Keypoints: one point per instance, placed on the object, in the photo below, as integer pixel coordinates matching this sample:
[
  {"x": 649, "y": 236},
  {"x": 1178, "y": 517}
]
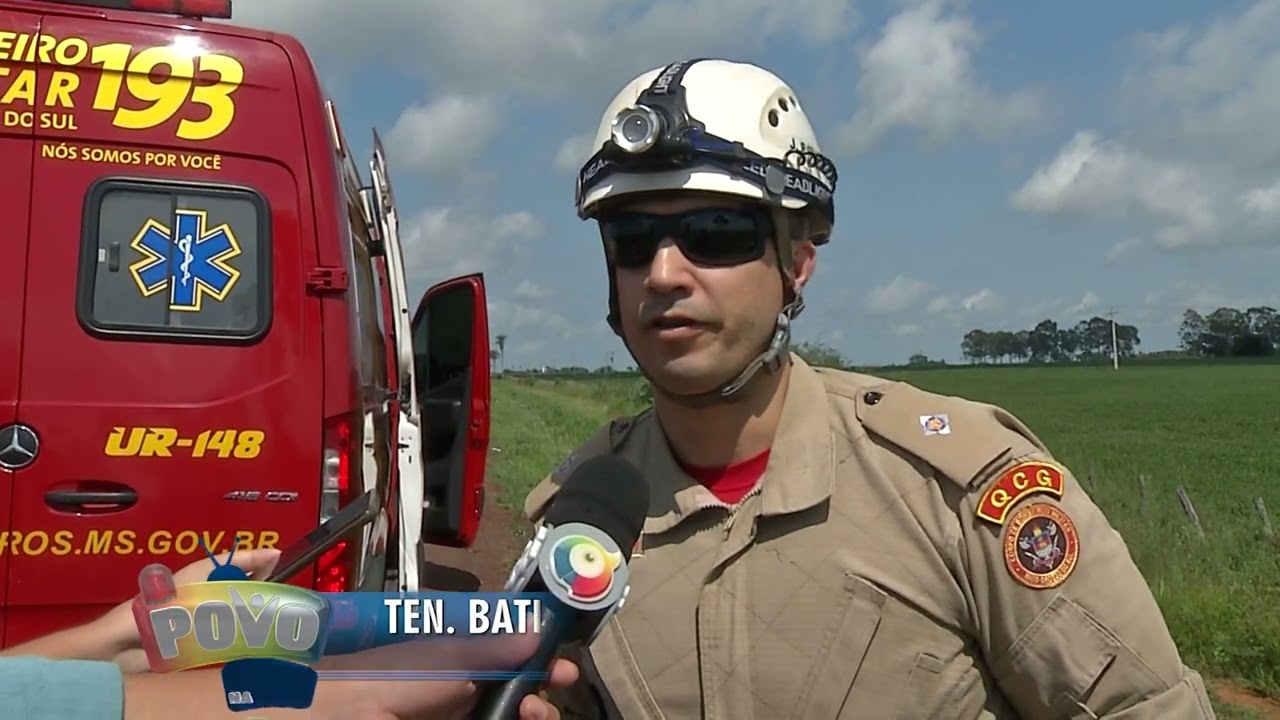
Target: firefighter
[{"x": 822, "y": 543}]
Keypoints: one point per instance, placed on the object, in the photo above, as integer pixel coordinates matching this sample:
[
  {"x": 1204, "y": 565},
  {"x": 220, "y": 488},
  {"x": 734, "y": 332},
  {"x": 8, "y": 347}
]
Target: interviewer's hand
[
  {"x": 122, "y": 629},
  {"x": 432, "y": 699}
]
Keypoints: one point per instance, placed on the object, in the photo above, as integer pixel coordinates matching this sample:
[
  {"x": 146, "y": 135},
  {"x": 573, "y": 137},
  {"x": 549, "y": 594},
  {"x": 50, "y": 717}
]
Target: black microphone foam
[
  {"x": 607, "y": 493},
  {"x": 605, "y": 501}
]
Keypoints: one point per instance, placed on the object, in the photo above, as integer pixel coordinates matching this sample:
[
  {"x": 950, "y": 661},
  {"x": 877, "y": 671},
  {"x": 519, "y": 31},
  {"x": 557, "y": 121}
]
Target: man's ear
[{"x": 804, "y": 256}]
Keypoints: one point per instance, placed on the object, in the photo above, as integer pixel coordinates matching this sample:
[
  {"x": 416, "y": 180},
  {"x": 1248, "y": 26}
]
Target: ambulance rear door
[
  {"x": 173, "y": 363},
  {"x": 18, "y": 446}
]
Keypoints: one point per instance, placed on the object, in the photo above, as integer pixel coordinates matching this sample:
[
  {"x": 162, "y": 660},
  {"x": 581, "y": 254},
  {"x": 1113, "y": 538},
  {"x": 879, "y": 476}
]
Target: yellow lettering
[
  {"x": 62, "y": 542},
  {"x": 999, "y": 497},
  {"x": 57, "y": 121},
  {"x": 115, "y": 440},
  {"x": 1044, "y": 478},
  {"x": 6, "y": 43},
  {"x": 71, "y": 52},
  {"x": 23, "y": 119},
  {"x": 23, "y": 88},
  {"x": 124, "y": 542},
  {"x": 46, "y": 44},
  {"x": 187, "y": 542},
  {"x": 97, "y": 542},
  {"x": 159, "y": 542},
  {"x": 216, "y": 97},
  {"x": 158, "y": 441},
  {"x": 267, "y": 539},
  {"x": 215, "y": 542},
  {"x": 166, "y": 97},
  {"x": 22, "y": 50},
  {"x": 250, "y": 444},
  {"x": 61, "y": 84},
  {"x": 112, "y": 58},
  {"x": 1019, "y": 480},
  {"x": 35, "y": 543}
]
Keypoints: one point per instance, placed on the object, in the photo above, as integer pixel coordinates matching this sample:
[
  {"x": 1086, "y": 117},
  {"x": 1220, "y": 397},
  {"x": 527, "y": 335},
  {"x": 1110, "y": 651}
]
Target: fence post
[
  {"x": 1261, "y": 507},
  {"x": 1142, "y": 494},
  {"x": 1190, "y": 510}
]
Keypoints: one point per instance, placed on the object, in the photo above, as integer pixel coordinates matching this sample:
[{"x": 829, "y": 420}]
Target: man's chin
[{"x": 688, "y": 376}]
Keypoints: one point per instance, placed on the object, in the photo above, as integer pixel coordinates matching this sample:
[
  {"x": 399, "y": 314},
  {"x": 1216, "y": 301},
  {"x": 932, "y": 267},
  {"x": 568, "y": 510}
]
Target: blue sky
[{"x": 1000, "y": 162}]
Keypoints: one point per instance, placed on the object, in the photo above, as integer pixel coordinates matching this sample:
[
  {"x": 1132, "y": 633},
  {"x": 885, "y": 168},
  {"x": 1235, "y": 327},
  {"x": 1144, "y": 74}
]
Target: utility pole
[{"x": 1115, "y": 346}]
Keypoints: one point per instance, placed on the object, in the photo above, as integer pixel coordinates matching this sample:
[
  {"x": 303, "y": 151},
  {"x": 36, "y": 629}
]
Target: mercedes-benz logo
[{"x": 18, "y": 446}]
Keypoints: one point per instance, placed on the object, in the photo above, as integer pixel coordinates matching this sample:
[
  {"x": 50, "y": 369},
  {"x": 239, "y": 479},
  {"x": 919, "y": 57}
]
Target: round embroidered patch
[{"x": 1041, "y": 546}]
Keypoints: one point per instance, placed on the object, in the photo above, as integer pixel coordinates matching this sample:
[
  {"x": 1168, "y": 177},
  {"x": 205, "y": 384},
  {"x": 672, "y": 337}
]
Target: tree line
[
  {"x": 1225, "y": 332},
  {"x": 1228, "y": 332},
  {"x": 1046, "y": 342}
]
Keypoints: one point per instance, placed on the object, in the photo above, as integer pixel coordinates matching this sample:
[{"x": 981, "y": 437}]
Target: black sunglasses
[{"x": 711, "y": 237}]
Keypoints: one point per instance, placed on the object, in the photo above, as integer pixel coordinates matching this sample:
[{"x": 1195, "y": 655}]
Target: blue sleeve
[{"x": 35, "y": 688}]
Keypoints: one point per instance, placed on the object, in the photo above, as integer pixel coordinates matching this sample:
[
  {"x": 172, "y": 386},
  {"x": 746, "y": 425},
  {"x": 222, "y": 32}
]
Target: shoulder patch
[
  {"x": 1041, "y": 546},
  {"x": 1017, "y": 483}
]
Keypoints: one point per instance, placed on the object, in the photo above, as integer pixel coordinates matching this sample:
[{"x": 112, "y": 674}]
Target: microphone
[{"x": 579, "y": 556}]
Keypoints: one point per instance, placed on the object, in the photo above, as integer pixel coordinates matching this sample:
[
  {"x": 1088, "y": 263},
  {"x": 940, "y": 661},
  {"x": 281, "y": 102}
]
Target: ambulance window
[{"x": 176, "y": 260}]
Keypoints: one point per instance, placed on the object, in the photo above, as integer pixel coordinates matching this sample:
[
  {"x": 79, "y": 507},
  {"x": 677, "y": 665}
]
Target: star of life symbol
[{"x": 190, "y": 259}]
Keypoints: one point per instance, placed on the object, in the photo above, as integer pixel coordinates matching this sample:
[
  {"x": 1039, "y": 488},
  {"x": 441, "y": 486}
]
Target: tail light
[{"x": 336, "y": 567}]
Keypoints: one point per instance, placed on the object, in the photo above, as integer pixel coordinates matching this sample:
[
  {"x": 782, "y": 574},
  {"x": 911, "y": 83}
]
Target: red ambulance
[{"x": 205, "y": 328}]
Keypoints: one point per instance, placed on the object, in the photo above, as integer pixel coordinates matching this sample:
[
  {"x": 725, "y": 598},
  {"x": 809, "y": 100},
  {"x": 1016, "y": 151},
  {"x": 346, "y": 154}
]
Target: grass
[{"x": 1212, "y": 429}]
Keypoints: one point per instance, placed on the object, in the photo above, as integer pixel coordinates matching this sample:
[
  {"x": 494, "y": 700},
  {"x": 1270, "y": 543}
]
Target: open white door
[{"x": 411, "y": 495}]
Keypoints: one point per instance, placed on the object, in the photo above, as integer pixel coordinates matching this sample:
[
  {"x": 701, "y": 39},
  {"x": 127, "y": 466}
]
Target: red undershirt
[{"x": 730, "y": 483}]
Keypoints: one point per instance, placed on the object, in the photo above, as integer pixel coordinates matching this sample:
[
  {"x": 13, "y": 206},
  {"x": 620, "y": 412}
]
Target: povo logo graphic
[
  {"x": 583, "y": 566},
  {"x": 267, "y": 634}
]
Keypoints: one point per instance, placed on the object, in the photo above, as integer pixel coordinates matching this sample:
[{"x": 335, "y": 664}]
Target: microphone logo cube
[{"x": 583, "y": 566}]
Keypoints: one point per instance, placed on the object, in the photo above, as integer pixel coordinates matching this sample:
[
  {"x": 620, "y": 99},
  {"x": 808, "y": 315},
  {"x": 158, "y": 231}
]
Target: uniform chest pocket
[
  {"x": 887, "y": 662},
  {"x": 844, "y": 650}
]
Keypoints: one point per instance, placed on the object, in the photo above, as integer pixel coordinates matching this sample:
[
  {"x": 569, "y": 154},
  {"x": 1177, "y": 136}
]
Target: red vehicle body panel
[
  {"x": 219, "y": 205},
  {"x": 15, "y": 156},
  {"x": 91, "y": 395}
]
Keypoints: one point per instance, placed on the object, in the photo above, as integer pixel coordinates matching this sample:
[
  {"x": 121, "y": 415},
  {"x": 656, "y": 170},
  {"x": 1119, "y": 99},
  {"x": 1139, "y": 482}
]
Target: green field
[{"x": 1211, "y": 429}]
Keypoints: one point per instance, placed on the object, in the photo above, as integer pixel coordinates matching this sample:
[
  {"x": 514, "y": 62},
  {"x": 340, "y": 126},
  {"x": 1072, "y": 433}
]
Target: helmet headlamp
[{"x": 636, "y": 129}]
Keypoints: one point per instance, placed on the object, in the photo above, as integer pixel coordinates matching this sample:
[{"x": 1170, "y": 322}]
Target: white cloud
[
  {"x": 1200, "y": 165},
  {"x": 441, "y": 243},
  {"x": 1123, "y": 248},
  {"x": 1087, "y": 303},
  {"x": 548, "y": 47},
  {"x": 1212, "y": 90},
  {"x": 896, "y": 297},
  {"x": 981, "y": 301},
  {"x": 906, "y": 329},
  {"x": 574, "y": 152},
  {"x": 919, "y": 74},
  {"x": 445, "y": 135},
  {"x": 939, "y": 304},
  {"x": 527, "y": 290},
  {"x": 1165, "y": 307}
]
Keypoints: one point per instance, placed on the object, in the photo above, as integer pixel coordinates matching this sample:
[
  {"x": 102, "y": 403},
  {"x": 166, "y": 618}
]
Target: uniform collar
[{"x": 800, "y": 472}]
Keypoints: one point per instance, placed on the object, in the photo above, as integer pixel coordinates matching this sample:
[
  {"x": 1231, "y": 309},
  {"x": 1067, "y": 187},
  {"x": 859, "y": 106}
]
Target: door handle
[{"x": 91, "y": 500}]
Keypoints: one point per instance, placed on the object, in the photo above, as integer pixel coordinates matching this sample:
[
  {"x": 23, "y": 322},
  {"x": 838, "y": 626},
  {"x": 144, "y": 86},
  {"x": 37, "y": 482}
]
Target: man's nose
[{"x": 669, "y": 268}]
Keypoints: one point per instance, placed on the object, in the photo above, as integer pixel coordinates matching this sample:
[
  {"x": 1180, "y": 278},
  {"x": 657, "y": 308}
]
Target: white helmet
[
  {"x": 725, "y": 127},
  {"x": 712, "y": 125}
]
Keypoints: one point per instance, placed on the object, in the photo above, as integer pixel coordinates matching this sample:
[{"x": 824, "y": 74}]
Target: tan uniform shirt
[{"x": 906, "y": 555}]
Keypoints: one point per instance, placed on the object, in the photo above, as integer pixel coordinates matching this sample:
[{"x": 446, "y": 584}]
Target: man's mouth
[{"x": 673, "y": 322}]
